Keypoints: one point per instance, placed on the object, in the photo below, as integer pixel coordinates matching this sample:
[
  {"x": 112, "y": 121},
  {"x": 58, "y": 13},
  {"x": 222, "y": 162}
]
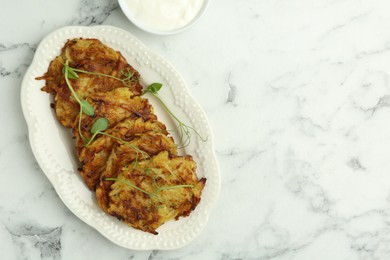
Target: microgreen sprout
[
  {"x": 129, "y": 184},
  {"x": 85, "y": 107},
  {"x": 127, "y": 79},
  {"x": 70, "y": 74},
  {"x": 184, "y": 130},
  {"x": 85, "y": 140},
  {"x": 100, "y": 126}
]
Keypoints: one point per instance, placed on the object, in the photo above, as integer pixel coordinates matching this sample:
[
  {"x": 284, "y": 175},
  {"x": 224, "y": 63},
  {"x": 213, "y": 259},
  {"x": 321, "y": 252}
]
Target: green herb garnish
[
  {"x": 129, "y": 184},
  {"x": 71, "y": 73},
  {"x": 100, "y": 126},
  {"x": 85, "y": 140},
  {"x": 185, "y": 133},
  {"x": 128, "y": 75},
  {"x": 85, "y": 107}
]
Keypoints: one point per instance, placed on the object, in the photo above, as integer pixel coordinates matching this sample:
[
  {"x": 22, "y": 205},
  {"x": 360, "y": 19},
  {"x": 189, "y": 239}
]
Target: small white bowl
[{"x": 129, "y": 14}]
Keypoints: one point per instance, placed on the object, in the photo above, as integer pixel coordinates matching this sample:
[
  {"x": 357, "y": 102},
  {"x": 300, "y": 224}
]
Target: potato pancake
[
  {"x": 138, "y": 133},
  {"x": 93, "y": 56},
  {"x": 148, "y": 193},
  {"x": 116, "y": 106}
]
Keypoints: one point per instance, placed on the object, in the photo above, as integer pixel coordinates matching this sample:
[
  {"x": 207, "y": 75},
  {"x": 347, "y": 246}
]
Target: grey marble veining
[
  {"x": 297, "y": 94},
  {"x": 28, "y": 237},
  {"x": 94, "y": 13}
]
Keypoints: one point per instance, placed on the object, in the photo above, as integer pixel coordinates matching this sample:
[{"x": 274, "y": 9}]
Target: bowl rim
[{"x": 137, "y": 23}]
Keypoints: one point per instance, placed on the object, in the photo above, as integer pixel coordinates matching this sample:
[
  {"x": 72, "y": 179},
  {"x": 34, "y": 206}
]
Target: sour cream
[{"x": 164, "y": 15}]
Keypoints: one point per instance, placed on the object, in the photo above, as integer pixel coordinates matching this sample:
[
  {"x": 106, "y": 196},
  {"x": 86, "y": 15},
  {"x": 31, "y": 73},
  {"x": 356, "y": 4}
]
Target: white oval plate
[{"x": 54, "y": 150}]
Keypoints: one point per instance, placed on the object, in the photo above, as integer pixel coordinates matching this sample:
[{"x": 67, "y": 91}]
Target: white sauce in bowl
[{"x": 164, "y": 15}]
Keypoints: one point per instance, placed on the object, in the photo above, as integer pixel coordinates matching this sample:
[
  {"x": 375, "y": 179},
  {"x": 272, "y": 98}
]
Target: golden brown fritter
[
  {"x": 116, "y": 106},
  {"x": 147, "y": 145},
  {"x": 148, "y": 193},
  {"x": 137, "y": 132},
  {"x": 90, "y": 55}
]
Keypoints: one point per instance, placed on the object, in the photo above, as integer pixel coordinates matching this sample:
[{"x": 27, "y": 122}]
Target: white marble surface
[{"x": 298, "y": 96}]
